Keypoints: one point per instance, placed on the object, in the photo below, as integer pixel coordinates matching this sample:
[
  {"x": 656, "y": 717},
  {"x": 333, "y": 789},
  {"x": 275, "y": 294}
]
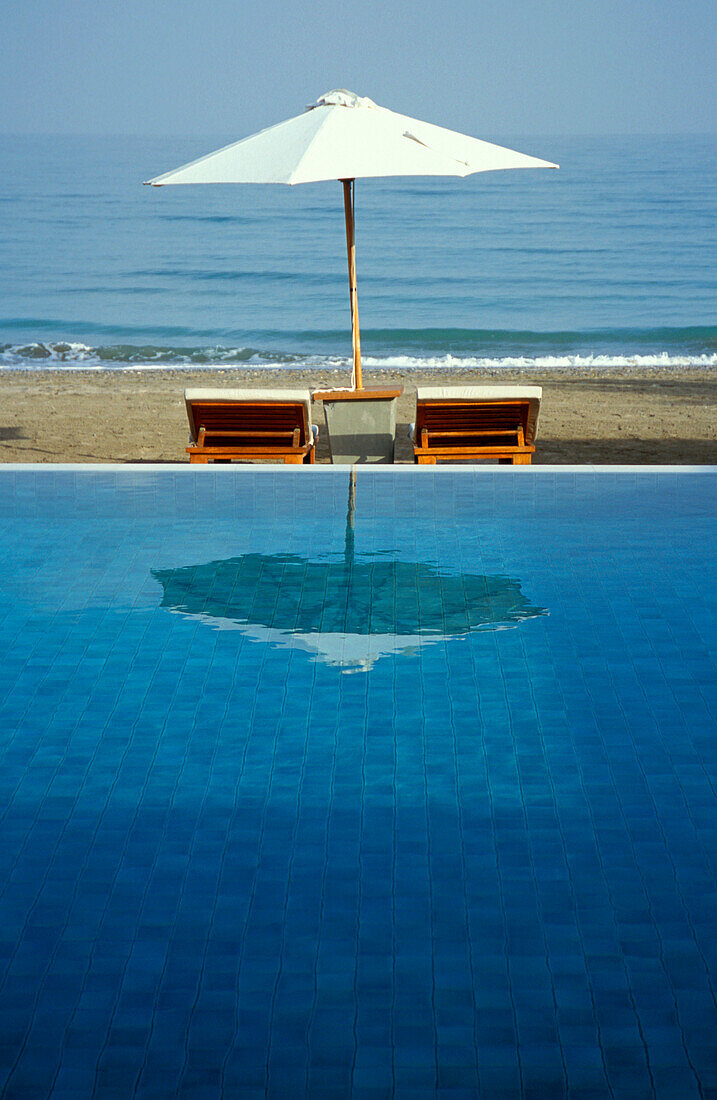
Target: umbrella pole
[
  {"x": 350, "y": 520},
  {"x": 357, "y": 379}
]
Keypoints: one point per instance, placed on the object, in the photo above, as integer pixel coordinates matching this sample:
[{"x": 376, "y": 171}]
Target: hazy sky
[{"x": 229, "y": 67}]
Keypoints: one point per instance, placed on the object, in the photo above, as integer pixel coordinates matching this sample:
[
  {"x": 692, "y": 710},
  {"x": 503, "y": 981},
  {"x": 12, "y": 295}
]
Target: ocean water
[{"x": 609, "y": 261}]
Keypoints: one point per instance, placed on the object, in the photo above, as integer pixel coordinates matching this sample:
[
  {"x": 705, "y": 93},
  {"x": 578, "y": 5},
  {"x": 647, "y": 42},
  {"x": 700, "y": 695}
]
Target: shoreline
[
  {"x": 485, "y": 369},
  {"x": 132, "y": 414}
]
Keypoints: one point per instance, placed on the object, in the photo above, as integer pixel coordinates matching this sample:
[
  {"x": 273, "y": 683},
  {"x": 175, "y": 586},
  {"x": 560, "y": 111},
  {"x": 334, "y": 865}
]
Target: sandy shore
[{"x": 660, "y": 416}]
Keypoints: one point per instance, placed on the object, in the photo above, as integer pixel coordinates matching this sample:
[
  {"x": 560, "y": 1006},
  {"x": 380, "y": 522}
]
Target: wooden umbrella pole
[
  {"x": 351, "y": 249},
  {"x": 350, "y": 521}
]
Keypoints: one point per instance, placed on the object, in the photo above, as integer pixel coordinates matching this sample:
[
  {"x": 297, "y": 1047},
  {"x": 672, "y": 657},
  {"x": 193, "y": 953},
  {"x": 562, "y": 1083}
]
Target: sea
[{"x": 610, "y": 261}]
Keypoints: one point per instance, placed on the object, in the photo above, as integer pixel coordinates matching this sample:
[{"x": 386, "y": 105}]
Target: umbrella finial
[{"x": 342, "y": 97}]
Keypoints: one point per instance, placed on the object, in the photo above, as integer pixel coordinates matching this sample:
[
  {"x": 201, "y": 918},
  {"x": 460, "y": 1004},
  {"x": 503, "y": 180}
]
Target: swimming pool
[{"x": 396, "y": 788}]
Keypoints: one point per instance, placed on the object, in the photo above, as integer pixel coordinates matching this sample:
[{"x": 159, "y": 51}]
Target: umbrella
[{"x": 342, "y": 137}]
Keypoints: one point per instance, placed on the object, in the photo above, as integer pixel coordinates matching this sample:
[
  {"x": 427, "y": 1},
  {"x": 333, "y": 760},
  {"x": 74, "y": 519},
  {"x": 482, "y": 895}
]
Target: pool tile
[{"x": 477, "y": 867}]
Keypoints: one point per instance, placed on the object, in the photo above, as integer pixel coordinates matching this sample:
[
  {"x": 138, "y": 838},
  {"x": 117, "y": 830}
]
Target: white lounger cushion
[
  {"x": 302, "y": 397},
  {"x": 532, "y": 394}
]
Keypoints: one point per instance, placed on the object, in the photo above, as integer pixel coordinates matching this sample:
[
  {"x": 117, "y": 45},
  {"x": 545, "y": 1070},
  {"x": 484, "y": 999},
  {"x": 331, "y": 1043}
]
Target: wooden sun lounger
[
  {"x": 494, "y": 423},
  {"x": 250, "y": 424}
]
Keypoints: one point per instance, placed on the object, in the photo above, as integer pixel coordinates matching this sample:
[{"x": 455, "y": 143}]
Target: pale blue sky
[{"x": 229, "y": 67}]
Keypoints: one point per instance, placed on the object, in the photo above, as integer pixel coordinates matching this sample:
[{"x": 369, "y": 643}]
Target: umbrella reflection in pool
[
  {"x": 346, "y": 618},
  {"x": 347, "y": 611}
]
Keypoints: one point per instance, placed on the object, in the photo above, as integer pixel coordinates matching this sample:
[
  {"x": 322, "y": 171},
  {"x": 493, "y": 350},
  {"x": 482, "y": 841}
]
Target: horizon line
[{"x": 220, "y": 133}]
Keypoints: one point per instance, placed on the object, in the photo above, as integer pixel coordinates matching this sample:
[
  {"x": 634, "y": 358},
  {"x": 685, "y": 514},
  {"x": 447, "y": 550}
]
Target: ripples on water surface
[
  {"x": 407, "y": 792},
  {"x": 609, "y": 260}
]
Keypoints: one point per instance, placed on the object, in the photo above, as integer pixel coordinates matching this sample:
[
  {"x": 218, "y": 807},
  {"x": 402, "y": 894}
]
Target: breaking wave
[{"x": 73, "y": 356}]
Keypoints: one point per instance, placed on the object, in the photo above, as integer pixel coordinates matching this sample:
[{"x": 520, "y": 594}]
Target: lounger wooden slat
[
  {"x": 228, "y": 425},
  {"x": 495, "y": 423},
  {"x": 224, "y": 433}
]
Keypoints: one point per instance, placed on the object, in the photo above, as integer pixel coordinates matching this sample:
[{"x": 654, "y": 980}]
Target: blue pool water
[{"x": 407, "y": 792}]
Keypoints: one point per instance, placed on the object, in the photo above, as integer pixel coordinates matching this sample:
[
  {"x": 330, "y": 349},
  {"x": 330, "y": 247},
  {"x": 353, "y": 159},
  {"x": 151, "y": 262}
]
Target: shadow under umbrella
[{"x": 347, "y": 612}]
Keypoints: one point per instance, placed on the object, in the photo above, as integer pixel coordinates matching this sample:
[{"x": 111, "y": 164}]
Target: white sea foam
[
  {"x": 75, "y": 356},
  {"x": 553, "y": 362},
  {"x": 36, "y": 356}
]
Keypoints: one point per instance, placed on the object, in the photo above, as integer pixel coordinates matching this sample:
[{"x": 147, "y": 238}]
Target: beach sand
[{"x": 656, "y": 416}]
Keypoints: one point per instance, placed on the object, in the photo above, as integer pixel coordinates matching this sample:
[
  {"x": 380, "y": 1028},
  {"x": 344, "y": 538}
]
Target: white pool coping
[{"x": 323, "y": 469}]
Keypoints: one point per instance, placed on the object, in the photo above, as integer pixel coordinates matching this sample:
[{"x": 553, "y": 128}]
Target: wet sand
[{"x": 657, "y": 416}]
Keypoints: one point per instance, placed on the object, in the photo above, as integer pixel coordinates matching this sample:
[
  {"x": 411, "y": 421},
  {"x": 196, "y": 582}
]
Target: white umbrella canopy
[{"x": 344, "y": 137}]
